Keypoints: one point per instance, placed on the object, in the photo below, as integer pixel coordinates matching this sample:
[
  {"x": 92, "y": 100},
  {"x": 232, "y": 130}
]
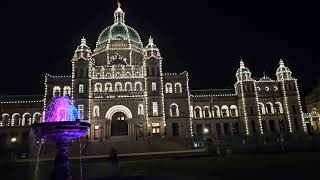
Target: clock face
[{"x": 118, "y": 60}]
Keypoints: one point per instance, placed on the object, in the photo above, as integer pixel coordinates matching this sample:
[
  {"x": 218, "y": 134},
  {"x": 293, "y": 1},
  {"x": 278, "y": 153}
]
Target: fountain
[{"x": 61, "y": 124}]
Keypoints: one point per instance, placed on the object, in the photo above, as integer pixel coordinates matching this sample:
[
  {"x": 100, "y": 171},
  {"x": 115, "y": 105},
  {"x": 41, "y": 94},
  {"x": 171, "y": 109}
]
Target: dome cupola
[
  {"x": 83, "y": 51},
  {"x": 283, "y": 72},
  {"x": 151, "y": 50},
  {"x": 243, "y": 73},
  {"x": 119, "y": 31}
]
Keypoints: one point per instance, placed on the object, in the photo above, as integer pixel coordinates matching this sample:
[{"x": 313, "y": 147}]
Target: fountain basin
[{"x": 61, "y": 131}]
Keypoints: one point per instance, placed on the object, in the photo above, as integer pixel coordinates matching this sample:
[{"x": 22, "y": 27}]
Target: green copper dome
[{"x": 119, "y": 29}]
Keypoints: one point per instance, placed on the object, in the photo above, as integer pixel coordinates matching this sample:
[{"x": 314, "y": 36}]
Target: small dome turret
[
  {"x": 243, "y": 73},
  {"x": 283, "y": 72},
  {"x": 83, "y": 51},
  {"x": 151, "y": 50}
]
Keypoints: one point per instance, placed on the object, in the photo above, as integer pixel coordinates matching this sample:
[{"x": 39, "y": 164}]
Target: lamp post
[
  {"x": 205, "y": 132},
  {"x": 101, "y": 130},
  {"x": 136, "y": 130},
  {"x": 165, "y": 131}
]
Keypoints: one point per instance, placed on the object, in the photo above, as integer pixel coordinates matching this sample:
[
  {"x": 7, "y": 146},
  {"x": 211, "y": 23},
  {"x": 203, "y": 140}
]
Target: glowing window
[
  {"x": 81, "y": 88},
  {"x": 154, "y": 86},
  {"x": 155, "y": 108}
]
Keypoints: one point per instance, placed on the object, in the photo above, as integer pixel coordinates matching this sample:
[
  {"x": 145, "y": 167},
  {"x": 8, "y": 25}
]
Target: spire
[
  {"x": 243, "y": 73},
  {"x": 241, "y": 64},
  {"x": 118, "y": 14},
  {"x": 83, "y": 42},
  {"x": 82, "y": 51},
  {"x": 150, "y": 41},
  {"x": 151, "y": 50},
  {"x": 119, "y": 4},
  {"x": 283, "y": 72},
  {"x": 281, "y": 62}
]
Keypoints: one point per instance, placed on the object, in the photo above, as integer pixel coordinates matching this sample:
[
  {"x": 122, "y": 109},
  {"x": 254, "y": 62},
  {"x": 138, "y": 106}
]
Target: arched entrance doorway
[{"x": 119, "y": 124}]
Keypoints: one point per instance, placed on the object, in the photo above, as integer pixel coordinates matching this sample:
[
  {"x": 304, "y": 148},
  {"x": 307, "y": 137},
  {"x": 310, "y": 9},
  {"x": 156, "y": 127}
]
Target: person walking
[{"x": 115, "y": 170}]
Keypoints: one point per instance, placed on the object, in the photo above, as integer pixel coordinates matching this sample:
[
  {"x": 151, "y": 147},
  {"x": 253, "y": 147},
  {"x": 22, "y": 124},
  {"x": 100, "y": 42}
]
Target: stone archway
[{"x": 118, "y": 124}]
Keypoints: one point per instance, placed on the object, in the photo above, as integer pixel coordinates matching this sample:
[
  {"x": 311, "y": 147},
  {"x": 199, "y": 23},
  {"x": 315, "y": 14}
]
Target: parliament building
[{"x": 121, "y": 89}]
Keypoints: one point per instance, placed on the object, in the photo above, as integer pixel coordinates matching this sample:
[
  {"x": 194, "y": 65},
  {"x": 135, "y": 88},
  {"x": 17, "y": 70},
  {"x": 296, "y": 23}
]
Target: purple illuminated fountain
[{"x": 61, "y": 124}]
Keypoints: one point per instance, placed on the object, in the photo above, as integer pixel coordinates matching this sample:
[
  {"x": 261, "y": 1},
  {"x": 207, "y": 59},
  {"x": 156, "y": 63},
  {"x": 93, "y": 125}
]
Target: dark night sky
[{"x": 206, "y": 38}]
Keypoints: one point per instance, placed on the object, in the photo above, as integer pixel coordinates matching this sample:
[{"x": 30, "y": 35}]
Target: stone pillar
[{"x": 222, "y": 129}]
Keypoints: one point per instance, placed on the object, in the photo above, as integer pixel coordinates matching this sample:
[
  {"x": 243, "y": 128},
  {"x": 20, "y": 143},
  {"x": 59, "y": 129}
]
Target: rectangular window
[
  {"x": 154, "y": 86},
  {"x": 264, "y": 126},
  {"x": 81, "y": 111},
  {"x": 251, "y": 111},
  {"x": 199, "y": 129},
  {"x": 218, "y": 129},
  {"x": 294, "y": 109},
  {"x": 175, "y": 129},
  {"x": 253, "y": 126},
  {"x": 155, "y": 108},
  {"x": 81, "y": 89},
  {"x": 226, "y": 128},
  {"x": 208, "y": 126},
  {"x": 296, "y": 124},
  {"x": 272, "y": 126},
  {"x": 235, "y": 128},
  {"x": 155, "y": 128},
  {"x": 282, "y": 126}
]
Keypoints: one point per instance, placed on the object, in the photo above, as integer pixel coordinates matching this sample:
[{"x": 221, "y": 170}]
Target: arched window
[
  {"x": 168, "y": 88},
  {"x": 233, "y": 111},
  {"x": 118, "y": 87},
  {"x": 96, "y": 111},
  {"x": 174, "y": 110},
  {"x": 138, "y": 86},
  {"x": 140, "y": 109},
  {"x": 262, "y": 109},
  {"x": 5, "y": 120},
  {"x": 26, "y": 119},
  {"x": 206, "y": 112},
  {"x": 278, "y": 107},
  {"x": 98, "y": 87},
  {"x": 56, "y": 91},
  {"x": 225, "y": 111},
  {"x": 128, "y": 86},
  {"x": 215, "y": 111},
  {"x": 108, "y": 87},
  {"x": 66, "y": 90},
  {"x": 177, "y": 88},
  {"x": 197, "y": 112},
  {"x": 36, "y": 117},
  {"x": 15, "y": 120},
  {"x": 269, "y": 108}
]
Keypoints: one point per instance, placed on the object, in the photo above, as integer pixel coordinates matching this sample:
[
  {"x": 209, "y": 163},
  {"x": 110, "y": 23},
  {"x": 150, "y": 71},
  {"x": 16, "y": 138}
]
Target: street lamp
[
  {"x": 149, "y": 133},
  {"x": 205, "y": 131},
  {"x": 165, "y": 130},
  {"x": 136, "y": 129},
  {"x": 101, "y": 129},
  {"x": 14, "y": 139}
]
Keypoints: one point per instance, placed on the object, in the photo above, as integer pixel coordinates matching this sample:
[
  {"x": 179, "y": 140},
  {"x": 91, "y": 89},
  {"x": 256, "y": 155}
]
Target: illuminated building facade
[
  {"x": 120, "y": 88},
  {"x": 312, "y": 104}
]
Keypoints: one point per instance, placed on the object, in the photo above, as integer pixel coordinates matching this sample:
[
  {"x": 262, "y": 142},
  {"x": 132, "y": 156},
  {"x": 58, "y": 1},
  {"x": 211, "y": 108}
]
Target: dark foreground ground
[{"x": 298, "y": 165}]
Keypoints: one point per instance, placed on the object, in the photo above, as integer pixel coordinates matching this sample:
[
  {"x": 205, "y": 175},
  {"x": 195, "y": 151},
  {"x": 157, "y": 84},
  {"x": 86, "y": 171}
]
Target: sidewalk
[{"x": 128, "y": 156}]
